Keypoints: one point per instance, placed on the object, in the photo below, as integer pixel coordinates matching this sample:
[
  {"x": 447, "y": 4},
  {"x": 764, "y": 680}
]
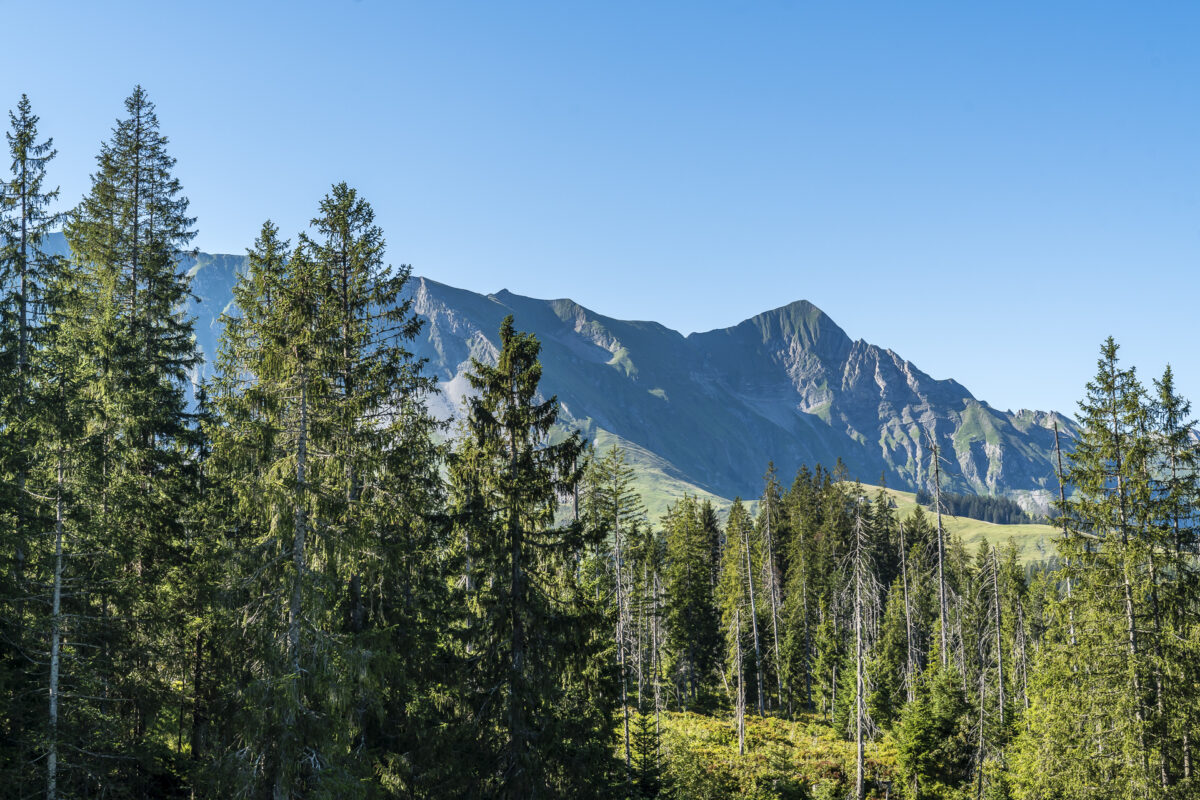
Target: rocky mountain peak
[{"x": 706, "y": 412}]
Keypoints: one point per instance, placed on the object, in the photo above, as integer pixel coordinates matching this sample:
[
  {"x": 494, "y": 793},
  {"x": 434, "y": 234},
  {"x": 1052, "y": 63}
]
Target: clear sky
[{"x": 989, "y": 191}]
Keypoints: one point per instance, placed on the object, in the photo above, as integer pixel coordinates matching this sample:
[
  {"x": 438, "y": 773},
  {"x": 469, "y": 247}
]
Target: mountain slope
[
  {"x": 708, "y": 411},
  {"x": 787, "y": 385}
]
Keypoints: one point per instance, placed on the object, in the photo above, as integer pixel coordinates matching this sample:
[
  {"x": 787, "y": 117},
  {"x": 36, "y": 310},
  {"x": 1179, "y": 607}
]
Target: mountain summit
[
  {"x": 788, "y": 386},
  {"x": 709, "y": 410}
]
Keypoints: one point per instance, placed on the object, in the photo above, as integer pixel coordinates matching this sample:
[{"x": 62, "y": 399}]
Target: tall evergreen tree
[
  {"x": 273, "y": 397},
  {"x": 26, "y": 274},
  {"x": 771, "y": 531},
  {"x": 1092, "y": 690},
  {"x": 692, "y": 632},
  {"x": 127, "y": 237},
  {"x": 324, "y": 432},
  {"x": 1176, "y": 498},
  {"x": 543, "y": 713}
]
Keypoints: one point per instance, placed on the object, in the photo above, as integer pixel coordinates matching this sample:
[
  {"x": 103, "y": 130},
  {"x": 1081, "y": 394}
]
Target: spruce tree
[
  {"x": 323, "y": 433},
  {"x": 127, "y": 237},
  {"x": 542, "y": 709},
  {"x": 380, "y": 518},
  {"x": 771, "y": 530},
  {"x": 692, "y": 628},
  {"x": 934, "y": 737},
  {"x": 1175, "y": 498},
  {"x": 1092, "y": 696},
  {"x": 647, "y": 770},
  {"x": 26, "y": 274}
]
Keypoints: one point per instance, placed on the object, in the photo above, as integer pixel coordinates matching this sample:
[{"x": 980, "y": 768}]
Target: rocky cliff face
[
  {"x": 787, "y": 386},
  {"x": 709, "y": 410}
]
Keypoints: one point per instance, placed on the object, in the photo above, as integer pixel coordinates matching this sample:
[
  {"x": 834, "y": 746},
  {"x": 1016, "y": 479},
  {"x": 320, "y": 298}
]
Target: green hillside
[
  {"x": 653, "y": 478},
  {"x": 659, "y": 487},
  {"x": 1035, "y": 542}
]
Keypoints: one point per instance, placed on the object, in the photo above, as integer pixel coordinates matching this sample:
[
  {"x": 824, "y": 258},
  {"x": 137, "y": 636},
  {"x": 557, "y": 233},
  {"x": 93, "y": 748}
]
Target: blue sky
[{"x": 989, "y": 191}]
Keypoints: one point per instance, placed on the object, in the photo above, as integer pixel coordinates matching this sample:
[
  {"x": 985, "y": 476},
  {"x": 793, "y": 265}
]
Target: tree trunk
[
  {"x": 741, "y": 687},
  {"x": 808, "y": 689},
  {"x": 909, "y": 663},
  {"x": 943, "y": 609},
  {"x": 1127, "y": 589},
  {"x": 979, "y": 753},
  {"x": 299, "y": 531},
  {"x": 753, "y": 620},
  {"x": 55, "y": 639},
  {"x": 962, "y": 645},
  {"x": 1160, "y": 689},
  {"x": 282, "y": 789},
  {"x": 773, "y": 586},
  {"x": 859, "y": 785},
  {"x": 1022, "y": 654},
  {"x": 641, "y": 631},
  {"x": 197, "y": 714},
  {"x": 655, "y": 666},
  {"x": 22, "y": 385},
  {"x": 516, "y": 709},
  {"x": 999, "y": 649},
  {"x": 621, "y": 645}
]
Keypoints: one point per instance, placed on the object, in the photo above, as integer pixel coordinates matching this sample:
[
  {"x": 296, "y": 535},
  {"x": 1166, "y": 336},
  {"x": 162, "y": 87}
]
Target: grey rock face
[
  {"x": 787, "y": 386},
  {"x": 713, "y": 408}
]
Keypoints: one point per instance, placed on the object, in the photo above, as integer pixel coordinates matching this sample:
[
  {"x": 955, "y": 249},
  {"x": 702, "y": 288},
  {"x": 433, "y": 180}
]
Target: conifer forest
[{"x": 292, "y": 580}]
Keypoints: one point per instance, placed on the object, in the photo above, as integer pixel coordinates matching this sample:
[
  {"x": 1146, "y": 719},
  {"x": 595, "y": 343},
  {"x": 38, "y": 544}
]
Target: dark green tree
[
  {"x": 323, "y": 432},
  {"x": 540, "y": 689},
  {"x": 1092, "y": 723},
  {"x": 933, "y": 739},
  {"x": 647, "y": 769},
  {"x": 692, "y": 628},
  {"x": 127, "y": 238},
  {"x": 272, "y": 396},
  {"x": 26, "y": 272}
]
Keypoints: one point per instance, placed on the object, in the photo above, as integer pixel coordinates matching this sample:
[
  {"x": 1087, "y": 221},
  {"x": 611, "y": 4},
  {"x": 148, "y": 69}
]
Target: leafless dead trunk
[
  {"x": 909, "y": 663},
  {"x": 55, "y": 637},
  {"x": 943, "y": 608},
  {"x": 753, "y": 617},
  {"x": 741, "y": 687},
  {"x": 999, "y": 649}
]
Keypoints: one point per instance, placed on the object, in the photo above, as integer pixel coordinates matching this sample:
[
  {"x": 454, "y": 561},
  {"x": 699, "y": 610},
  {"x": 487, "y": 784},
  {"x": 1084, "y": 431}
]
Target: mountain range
[{"x": 706, "y": 412}]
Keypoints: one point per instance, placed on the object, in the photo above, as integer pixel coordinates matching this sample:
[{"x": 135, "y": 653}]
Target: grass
[
  {"x": 659, "y": 489},
  {"x": 652, "y": 478},
  {"x": 1035, "y": 542},
  {"x": 784, "y": 758}
]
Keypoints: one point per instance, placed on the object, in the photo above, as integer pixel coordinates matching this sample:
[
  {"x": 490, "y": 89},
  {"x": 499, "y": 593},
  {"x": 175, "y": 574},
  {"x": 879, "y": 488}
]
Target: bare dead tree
[
  {"x": 909, "y": 663},
  {"x": 943, "y": 608},
  {"x": 864, "y": 590}
]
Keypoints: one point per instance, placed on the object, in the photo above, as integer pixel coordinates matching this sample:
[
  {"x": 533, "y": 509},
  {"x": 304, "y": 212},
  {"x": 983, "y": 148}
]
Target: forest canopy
[{"x": 293, "y": 581}]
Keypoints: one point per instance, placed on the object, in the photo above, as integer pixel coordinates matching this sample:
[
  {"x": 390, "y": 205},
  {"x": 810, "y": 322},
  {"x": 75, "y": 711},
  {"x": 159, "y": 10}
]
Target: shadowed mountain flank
[{"x": 707, "y": 411}]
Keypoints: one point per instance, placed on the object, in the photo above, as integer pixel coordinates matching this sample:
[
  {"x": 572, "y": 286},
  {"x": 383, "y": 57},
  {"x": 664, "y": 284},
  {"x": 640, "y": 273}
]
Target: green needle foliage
[
  {"x": 134, "y": 471},
  {"x": 692, "y": 624},
  {"x": 28, "y": 282},
  {"x": 322, "y": 419},
  {"x": 540, "y": 687},
  {"x": 293, "y": 581}
]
